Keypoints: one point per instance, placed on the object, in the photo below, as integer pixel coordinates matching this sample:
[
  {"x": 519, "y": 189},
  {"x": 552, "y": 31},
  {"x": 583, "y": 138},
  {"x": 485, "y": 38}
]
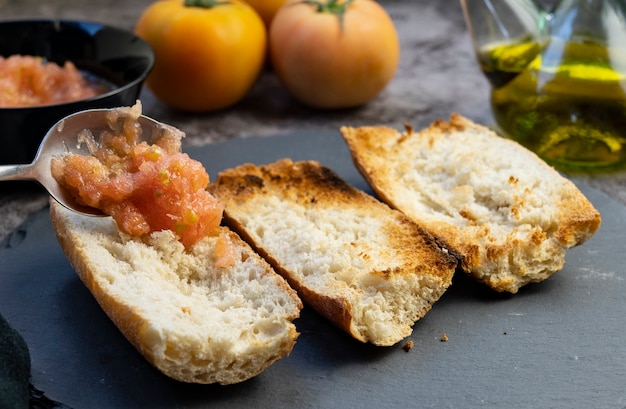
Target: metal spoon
[{"x": 61, "y": 139}]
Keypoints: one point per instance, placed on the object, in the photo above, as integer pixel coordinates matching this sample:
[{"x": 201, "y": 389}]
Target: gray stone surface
[{"x": 555, "y": 344}]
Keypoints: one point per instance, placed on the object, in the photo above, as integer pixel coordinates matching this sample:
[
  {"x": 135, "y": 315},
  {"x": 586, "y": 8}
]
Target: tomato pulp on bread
[{"x": 144, "y": 187}]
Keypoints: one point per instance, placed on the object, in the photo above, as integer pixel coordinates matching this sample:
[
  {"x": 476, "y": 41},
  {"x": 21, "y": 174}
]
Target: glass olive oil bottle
[
  {"x": 558, "y": 77},
  {"x": 567, "y": 103}
]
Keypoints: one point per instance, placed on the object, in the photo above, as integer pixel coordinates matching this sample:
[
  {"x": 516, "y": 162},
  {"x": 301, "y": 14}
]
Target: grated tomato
[
  {"x": 144, "y": 187},
  {"x": 30, "y": 81}
]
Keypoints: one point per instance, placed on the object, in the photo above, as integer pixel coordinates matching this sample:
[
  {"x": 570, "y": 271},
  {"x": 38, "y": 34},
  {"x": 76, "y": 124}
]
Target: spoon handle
[{"x": 16, "y": 172}]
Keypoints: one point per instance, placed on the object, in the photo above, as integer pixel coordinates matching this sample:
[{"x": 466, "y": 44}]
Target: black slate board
[{"x": 557, "y": 344}]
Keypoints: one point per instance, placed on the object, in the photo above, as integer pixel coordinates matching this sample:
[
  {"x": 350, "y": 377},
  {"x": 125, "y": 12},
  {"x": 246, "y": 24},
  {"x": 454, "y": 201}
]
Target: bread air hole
[
  {"x": 172, "y": 353},
  {"x": 267, "y": 330}
]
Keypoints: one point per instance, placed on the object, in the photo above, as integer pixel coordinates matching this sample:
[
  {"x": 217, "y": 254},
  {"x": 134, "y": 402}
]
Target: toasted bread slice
[
  {"x": 193, "y": 321},
  {"x": 510, "y": 215},
  {"x": 365, "y": 267}
]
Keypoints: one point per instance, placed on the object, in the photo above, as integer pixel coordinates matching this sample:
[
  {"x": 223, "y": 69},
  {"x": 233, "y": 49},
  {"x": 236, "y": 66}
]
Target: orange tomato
[
  {"x": 334, "y": 53},
  {"x": 266, "y": 8},
  {"x": 208, "y": 53}
]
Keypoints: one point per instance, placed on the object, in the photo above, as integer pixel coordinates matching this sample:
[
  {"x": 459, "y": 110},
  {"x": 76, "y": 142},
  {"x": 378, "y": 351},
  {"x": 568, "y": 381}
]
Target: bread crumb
[
  {"x": 444, "y": 337},
  {"x": 408, "y": 346},
  {"x": 408, "y": 128}
]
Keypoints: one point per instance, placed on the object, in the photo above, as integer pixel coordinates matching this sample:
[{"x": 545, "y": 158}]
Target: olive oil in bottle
[
  {"x": 503, "y": 62},
  {"x": 567, "y": 103}
]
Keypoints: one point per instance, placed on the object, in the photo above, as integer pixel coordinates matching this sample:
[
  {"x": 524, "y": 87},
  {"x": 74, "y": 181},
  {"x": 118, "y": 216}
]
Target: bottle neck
[{"x": 588, "y": 20}]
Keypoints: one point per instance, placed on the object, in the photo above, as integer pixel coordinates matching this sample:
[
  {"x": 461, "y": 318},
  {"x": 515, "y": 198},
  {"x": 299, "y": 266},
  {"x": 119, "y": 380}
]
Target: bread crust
[
  {"x": 365, "y": 267},
  {"x": 505, "y": 211},
  {"x": 171, "y": 329}
]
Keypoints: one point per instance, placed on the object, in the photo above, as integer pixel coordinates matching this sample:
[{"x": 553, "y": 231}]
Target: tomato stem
[
  {"x": 331, "y": 6},
  {"x": 207, "y": 4}
]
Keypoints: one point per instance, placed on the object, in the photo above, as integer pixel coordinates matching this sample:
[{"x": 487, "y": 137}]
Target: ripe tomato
[
  {"x": 266, "y": 8},
  {"x": 334, "y": 53},
  {"x": 208, "y": 53}
]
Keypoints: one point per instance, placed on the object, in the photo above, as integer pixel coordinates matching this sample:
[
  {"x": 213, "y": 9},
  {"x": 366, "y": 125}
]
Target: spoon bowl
[{"x": 62, "y": 139}]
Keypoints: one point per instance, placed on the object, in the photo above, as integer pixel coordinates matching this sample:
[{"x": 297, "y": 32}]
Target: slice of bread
[
  {"x": 193, "y": 321},
  {"x": 505, "y": 211},
  {"x": 365, "y": 267}
]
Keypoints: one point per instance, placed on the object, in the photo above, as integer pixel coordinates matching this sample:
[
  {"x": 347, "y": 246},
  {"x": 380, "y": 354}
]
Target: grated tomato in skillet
[{"x": 27, "y": 81}]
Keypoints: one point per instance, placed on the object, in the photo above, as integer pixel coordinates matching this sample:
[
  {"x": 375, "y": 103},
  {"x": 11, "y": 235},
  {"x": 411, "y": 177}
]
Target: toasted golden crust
[
  {"x": 364, "y": 266},
  {"x": 193, "y": 321},
  {"x": 509, "y": 214}
]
